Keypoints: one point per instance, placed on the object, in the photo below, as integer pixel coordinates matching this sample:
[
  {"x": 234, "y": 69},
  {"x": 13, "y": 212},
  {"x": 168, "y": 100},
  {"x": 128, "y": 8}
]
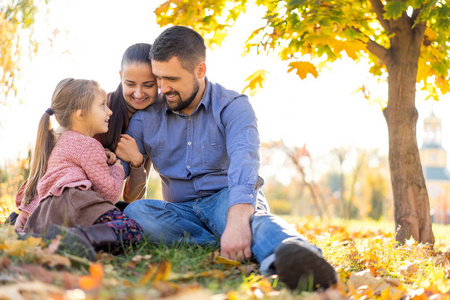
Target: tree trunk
[{"x": 411, "y": 204}]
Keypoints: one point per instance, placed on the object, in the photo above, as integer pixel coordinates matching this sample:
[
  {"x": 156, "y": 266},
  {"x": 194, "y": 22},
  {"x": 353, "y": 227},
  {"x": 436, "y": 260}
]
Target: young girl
[{"x": 75, "y": 180}]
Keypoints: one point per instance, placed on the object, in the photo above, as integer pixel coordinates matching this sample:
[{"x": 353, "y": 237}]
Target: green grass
[{"x": 350, "y": 246}]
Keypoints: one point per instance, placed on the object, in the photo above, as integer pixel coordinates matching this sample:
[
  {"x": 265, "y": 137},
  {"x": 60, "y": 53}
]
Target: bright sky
[{"x": 323, "y": 112}]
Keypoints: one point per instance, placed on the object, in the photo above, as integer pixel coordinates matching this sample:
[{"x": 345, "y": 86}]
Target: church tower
[{"x": 434, "y": 164}]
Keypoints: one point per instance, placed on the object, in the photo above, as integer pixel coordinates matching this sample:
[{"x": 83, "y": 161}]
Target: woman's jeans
[{"x": 202, "y": 221}]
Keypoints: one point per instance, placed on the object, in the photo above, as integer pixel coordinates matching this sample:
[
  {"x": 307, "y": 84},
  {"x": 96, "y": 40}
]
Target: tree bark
[{"x": 411, "y": 203}]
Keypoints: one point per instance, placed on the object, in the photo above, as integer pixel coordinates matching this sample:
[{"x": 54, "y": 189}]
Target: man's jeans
[{"x": 202, "y": 221}]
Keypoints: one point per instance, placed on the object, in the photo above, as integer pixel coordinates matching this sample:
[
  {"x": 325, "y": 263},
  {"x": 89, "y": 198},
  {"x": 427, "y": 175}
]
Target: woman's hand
[
  {"x": 118, "y": 163},
  {"x": 20, "y": 221},
  {"x": 111, "y": 157},
  {"x": 128, "y": 151}
]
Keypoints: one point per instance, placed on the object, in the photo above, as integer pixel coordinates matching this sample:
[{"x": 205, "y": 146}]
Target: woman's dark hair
[
  {"x": 180, "y": 41},
  {"x": 118, "y": 122}
]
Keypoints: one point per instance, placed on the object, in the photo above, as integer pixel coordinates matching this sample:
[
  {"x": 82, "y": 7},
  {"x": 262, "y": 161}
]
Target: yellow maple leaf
[
  {"x": 443, "y": 84},
  {"x": 255, "y": 82},
  {"x": 303, "y": 69},
  {"x": 431, "y": 34},
  {"x": 353, "y": 48}
]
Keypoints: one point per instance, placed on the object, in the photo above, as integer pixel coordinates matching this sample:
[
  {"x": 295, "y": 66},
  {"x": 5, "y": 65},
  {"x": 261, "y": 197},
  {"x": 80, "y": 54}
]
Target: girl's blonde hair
[{"x": 69, "y": 96}]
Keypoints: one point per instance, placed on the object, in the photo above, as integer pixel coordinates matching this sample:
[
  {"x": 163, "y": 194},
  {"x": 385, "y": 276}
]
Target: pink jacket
[{"x": 78, "y": 161}]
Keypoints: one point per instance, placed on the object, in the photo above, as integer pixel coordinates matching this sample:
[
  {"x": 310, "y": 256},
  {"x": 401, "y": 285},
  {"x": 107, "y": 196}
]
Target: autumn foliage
[
  {"x": 16, "y": 42},
  {"x": 369, "y": 263}
]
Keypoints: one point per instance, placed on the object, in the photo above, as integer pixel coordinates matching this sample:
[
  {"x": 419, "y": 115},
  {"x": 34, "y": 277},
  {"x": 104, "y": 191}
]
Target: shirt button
[
  {"x": 188, "y": 166},
  {"x": 189, "y": 143},
  {"x": 251, "y": 195}
]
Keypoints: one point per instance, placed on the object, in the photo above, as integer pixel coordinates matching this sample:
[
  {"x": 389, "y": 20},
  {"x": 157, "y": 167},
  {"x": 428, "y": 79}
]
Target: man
[{"x": 203, "y": 141}]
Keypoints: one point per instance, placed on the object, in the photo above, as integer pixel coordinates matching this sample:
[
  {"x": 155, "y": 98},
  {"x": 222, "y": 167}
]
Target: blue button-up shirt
[{"x": 217, "y": 146}]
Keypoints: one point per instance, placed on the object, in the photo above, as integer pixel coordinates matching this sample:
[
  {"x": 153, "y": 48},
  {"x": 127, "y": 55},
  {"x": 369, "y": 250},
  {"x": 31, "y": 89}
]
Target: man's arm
[{"x": 242, "y": 139}]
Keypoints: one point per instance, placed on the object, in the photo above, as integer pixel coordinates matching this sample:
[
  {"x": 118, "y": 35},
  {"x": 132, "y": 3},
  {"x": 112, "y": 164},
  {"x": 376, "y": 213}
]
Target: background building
[{"x": 437, "y": 176}]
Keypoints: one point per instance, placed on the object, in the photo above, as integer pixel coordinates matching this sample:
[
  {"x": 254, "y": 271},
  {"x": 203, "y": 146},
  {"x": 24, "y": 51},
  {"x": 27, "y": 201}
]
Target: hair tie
[{"x": 49, "y": 111}]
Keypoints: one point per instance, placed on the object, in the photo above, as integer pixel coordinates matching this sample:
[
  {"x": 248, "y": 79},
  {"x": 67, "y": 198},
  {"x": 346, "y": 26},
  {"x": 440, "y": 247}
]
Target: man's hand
[
  {"x": 128, "y": 151},
  {"x": 236, "y": 240},
  {"x": 20, "y": 221}
]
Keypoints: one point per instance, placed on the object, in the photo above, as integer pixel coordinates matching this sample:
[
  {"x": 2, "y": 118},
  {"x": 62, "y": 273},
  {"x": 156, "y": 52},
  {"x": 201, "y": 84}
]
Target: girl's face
[
  {"x": 98, "y": 119},
  {"x": 139, "y": 85}
]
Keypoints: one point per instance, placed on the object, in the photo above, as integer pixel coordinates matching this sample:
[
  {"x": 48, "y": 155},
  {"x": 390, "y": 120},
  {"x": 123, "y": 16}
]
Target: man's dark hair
[{"x": 180, "y": 41}]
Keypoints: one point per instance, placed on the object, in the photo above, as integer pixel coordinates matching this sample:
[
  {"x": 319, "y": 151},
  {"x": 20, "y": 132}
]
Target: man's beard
[{"x": 182, "y": 104}]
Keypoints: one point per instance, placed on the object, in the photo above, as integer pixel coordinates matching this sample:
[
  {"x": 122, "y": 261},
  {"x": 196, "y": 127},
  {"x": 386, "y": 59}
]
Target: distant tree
[
  {"x": 301, "y": 160},
  {"x": 375, "y": 186},
  {"x": 406, "y": 40},
  {"x": 16, "y": 32},
  {"x": 341, "y": 155}
]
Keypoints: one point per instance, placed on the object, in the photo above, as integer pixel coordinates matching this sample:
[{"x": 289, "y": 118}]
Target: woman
[{"x": 137, "y": 90}]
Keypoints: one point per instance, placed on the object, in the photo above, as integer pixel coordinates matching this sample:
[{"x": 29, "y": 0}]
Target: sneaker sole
[{"x": 300, "y": 268}]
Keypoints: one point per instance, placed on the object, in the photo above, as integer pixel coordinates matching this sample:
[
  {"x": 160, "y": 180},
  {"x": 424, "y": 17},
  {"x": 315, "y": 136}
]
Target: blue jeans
[{"x": 202, "y": 221}]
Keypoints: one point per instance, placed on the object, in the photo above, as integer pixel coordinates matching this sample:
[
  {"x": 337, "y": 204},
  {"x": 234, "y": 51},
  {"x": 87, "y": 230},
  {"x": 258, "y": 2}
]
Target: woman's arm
[{"x": 136, "y": 183}]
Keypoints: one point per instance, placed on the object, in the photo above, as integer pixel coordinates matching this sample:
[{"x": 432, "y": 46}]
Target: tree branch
[
  {"x": 416, "y": 13},
  {"x": 378, "y": 50},
  {"x": 378, "y": 8}
]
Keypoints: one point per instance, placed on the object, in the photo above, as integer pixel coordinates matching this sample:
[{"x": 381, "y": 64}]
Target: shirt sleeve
[
  {"x": 106, "y": 180},
  {"x": 31, "y": 206},
  {"x": 242, "y": 139},
  {"x": 136, "y": 183},
  {"x": 135, "y": 131}
]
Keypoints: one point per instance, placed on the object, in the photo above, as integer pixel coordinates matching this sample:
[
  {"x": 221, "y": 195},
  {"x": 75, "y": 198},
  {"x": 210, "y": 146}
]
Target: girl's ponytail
[{"x": 45, "y": 141}]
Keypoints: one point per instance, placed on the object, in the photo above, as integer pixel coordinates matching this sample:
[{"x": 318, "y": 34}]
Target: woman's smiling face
[{"x": 139, "y": 85}]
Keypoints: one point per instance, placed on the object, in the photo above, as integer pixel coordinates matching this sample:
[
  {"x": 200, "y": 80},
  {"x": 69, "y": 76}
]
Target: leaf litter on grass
[{"x": 369, "y": 263}]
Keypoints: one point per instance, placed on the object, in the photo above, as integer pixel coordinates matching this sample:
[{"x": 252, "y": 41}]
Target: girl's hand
[
  {"x": 128, "y": 151},
  {"x": 20, "y": 221},
  {"x": 111, "y": 157}
]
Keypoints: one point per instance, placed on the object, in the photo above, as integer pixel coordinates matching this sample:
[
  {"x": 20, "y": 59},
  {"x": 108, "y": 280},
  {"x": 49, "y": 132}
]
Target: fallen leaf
[
  {"x": 247, "y": 269},
  {"x": 163, "y": 272},
  {"x": 18, "y": 247},
  {"x": 139, "y": 258},
  {"x": 16, "y": 291},
  {"x": 53, "y": 260},
  {"x": 365, "y": 281},
  {"x": 94, "y": 279},
  {"x": 227, "y": 262},
  {"x": 146, "y": 278}
]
